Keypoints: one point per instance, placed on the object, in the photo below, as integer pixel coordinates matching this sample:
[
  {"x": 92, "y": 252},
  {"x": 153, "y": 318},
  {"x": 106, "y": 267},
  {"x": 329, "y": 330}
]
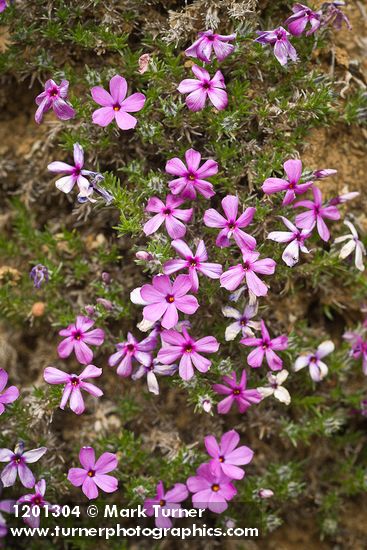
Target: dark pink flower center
[
  {"x": 17, "y": 459},
  {"x": 116, "y": 107},
  {"x": 221, "y": 459},
  {"x": 244, "y": 321},
  {"x": 75, "y": 381},
  {"x": 236, "y": 391},
  {"x": 77, "y": 171},
  {"x": 130, "y": 348},
  {"x": 162, "y": 502},
  {"x": 215, "y": 487},
  {"x": 167, "y": 211},
  {"x": 265, "y": 345},
  {"x": 77, "y": 335},
  {"x": 232, "y": 225},
  {"x": 54, "y": 92},
  {"x": 191, "y": 176},
  {"x": 193, "y": 262},
  {"x": 170, "y": 299},
  {"x": 313, "y": 359},
  {"x": 188, "y": 348},
  {"x": 37, "y": 500},
  {"x": 91, "y": 473},
  {"x": 206, "y": 85},
  {"x": 292, "y": 185},
  {"x": 246, "y": 266}
]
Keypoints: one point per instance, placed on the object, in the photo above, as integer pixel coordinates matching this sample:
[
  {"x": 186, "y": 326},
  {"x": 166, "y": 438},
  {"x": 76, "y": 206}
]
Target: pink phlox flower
[
  {"x": 78, "y": 335},
  {"x": 323, "y": 173},
  {"x": 227, "y": 456},
  {"x": 3, "y": 5},
  {"x": 208, "y": 41},
  {"x": 243, "y": 321},
  {"x": 130, "y": 351},
  {"x": 151, "y": 371},
  {"x": 165, "y": 299},
  {"x": 194, "y": 263},
  {"x": 74, "y": 383},
  {"x": 333, "y": 15},
  {"x": 168, "y": 502},
  {"x": 8, "y": 395},
  {"x": 115, "y": 105},
  {"x": 188, "y": 351},
  {"x": 315, "y": 214},
  {"x": 233, "y": 277},
  {"x": 318, "y": 369},
  {"x": 278, "y": 38},
  {"x": 35, "y": 501},
  {"x": 211, "y": 488},
  {"x": 293, "y": 169},
  {"x": 55, "y": 97},
  {"x": 74, "y": 174},
  {"x": 17, "y": 465},
  {"x": 169, "y": 214},
  {"x": 231, "y": 225},
  {"x": 143, "y": 63},
  {"x": 295, "y": 238},
  {"x": 265, "y": 346},
  {"x": 191, "y": 177},
  {"x": 236, "y": 392},
  {"x": 302, "y": 15},
  {"x": 204, "y": 87},
  {"x": 358, "y": 347},
  {"x": 92, "y": 476}
]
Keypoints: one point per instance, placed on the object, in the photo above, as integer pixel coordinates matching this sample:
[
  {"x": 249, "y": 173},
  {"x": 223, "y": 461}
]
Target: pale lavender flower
[
  {"x": 55, "y": 97},
  {"x": 39, "y": 274},
  {"x": 243, "y": 321},
  {"x": 115, "y": 105},
  {"x": 275, "y": 387},
  {"x": 151, "y": 370},
  {"x": 295, "y": 238},
  {"x": 278, "y": 38},
  {"x": 202, "y": 88},
  {"x": 318, "y": 369},
  {"x": 17, "y": 465},
  {"x": 73, "y": 384},
  {"x": 74, "y": 173},
  {"x": 265, "y": 493},
  {"x": 354, "y": 244},
  {"x": 302, "y": 15},
  {"x": 208, "y": 41}
]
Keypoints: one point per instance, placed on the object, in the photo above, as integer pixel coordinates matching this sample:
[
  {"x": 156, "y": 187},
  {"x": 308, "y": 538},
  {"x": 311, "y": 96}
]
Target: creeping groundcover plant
[{"x": 183, "y": 337}]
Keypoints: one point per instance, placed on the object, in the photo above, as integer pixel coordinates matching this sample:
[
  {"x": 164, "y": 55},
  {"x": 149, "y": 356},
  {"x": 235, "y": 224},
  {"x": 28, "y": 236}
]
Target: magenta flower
[
  {"x": 74, "y": 174},
  {"x": 17, "y": 465},
  {"x": 115, "y": 106},
  {"x": 265, "y": 346},
  {"x": 211, "y": 487},
  {"x": 191, "y": 177},
  {"x": 293, "y": 169},
  {"x": 35, "y": 501},
  {"x": 318, "y": 369},
  {"x": 231, "y": 226},
  {"x": 78, "y": 336},
  {"x": 232, "y": 278},
  {"x": 358, "y": 347},
  {"x": 185, "y": 348},
  {"x": 302, "y": 15},
  {"x": 278, "y": 38},
  {"x": 73, "y": 385},
  {"x": 226, "y": 456},
  {"x": 54, "y": 97},
  {"x": 334, "y": 16},
  {"x": 164, "y": 299},
  {"x": 3, "y": 5},
  {"x": 168, "y": 213},
  {"x": 132, "y": 350},
  {"x": 202, "y": 88},
  {"x": 296, "y": 239},
  {"x": 8, "y": 395},
  {"x": 243, "y": 321},
  {"x": 316, "y": 214},
  {"x": 93, "y": 474},
  {"x": 151, "y": 370},
  {"x": 168, "y": 502},
  {"x": 208, "y": 41},
  {"x": 195, "y": 263},
  {"x": 236, "y": 393}
]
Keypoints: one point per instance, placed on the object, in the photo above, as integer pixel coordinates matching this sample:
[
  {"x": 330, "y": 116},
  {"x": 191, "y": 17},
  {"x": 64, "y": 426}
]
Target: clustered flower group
[{"x": 171, "y": 347}]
